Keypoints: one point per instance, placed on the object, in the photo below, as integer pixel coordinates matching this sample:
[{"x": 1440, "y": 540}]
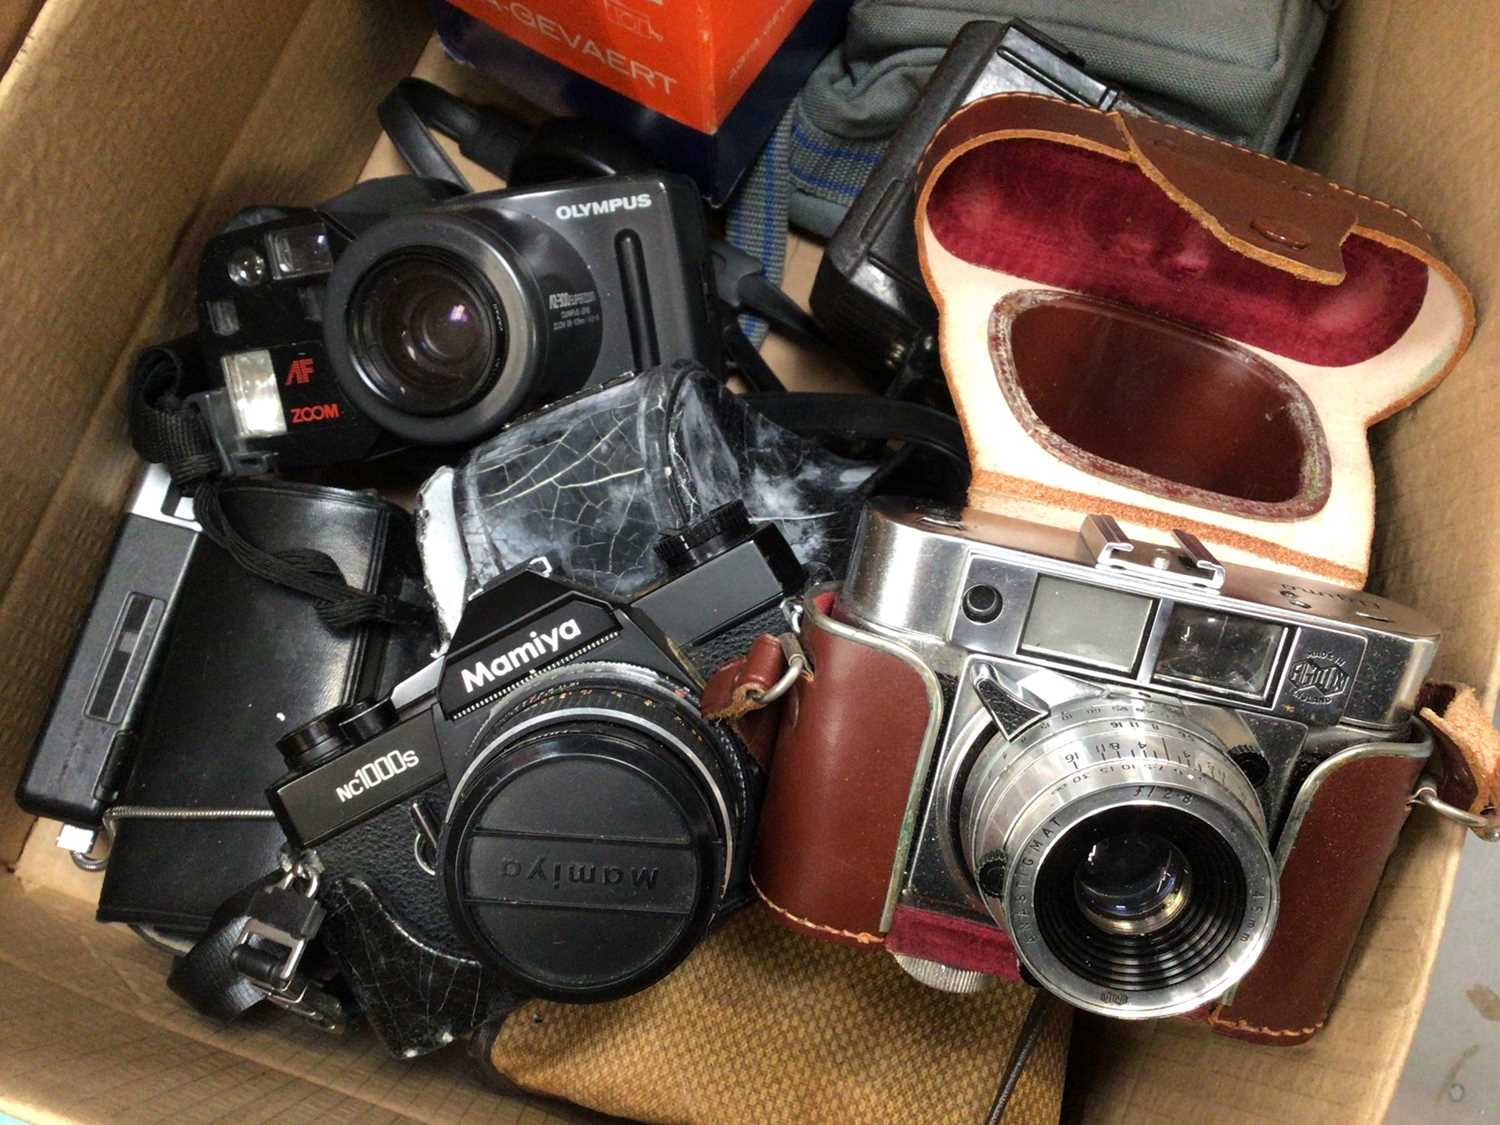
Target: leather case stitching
[
  {"x": 1242, "y": 1025},
  {"x": 1215, "y": 1020},
  {"x": 858, "y": 935},
  {"x": 1284, "y": 164}
]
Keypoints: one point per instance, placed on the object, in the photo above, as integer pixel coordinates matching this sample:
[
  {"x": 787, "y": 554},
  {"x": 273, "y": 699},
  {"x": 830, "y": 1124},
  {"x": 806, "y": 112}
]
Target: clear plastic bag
[{"x": 591, "y": 482}]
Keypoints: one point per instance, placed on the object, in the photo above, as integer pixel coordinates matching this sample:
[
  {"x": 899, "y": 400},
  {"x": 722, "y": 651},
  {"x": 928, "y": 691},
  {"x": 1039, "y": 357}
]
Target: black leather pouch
[{"x": 245, "y": 661}]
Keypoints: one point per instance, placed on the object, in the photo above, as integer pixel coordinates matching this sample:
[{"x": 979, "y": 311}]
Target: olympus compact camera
[
  {"x": 1088, "y": 759},
  {"x": 543, "y": 811},
  {"x": 402, "y": 314}
]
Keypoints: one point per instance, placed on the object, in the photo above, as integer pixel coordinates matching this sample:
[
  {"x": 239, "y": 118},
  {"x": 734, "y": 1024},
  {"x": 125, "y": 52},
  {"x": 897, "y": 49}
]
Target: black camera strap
[
  {"x": 205, "y": 976},
  {"x": 869, "y": 418},
  {"x": 255, "y": 949},
  {"x": 166, "y": 429}
]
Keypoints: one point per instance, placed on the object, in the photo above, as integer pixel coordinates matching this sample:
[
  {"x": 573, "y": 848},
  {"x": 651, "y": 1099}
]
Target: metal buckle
[
  {"x": 285, "y": 986},
  {"x": 80, "y": 844},
  {"x": 312, "y": 1003},
  {"x": 1486, "y": 824},
  {"x": 282, "y": 979}
]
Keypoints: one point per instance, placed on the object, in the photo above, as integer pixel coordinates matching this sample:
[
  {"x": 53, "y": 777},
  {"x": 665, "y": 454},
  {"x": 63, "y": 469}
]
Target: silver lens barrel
[{"x": 1125, "y": 854}]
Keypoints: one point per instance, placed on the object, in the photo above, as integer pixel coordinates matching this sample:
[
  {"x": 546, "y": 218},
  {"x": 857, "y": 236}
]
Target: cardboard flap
[{"x": 1235, "y": 325}]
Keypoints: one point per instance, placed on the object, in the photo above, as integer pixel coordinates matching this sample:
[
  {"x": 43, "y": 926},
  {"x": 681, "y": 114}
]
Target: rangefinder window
[
  {"x": 1206, "y": 648},
  {"x": 1086, "y": 624},
  {"x": 300, "y": 251}
]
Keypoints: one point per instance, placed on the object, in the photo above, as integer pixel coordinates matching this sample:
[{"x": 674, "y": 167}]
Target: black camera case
[
  {"x": 869, "y": 293},
  {"x": 242, "y": 660}
]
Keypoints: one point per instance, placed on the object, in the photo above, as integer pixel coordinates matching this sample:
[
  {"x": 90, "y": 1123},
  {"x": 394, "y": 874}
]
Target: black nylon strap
[
  {"x": 164, "y": 428},
  {"x": 747, "y": 361},
  {"x": 814, "y": 414},
  {"x": 414, "y": 108},
  {"x": 1037, "y": 1019},
  {"x": 338, "y": 604}
]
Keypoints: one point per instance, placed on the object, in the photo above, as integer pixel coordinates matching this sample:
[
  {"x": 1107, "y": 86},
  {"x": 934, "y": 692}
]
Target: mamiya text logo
[
  {"x": 604, "y": 206},
  {"x": 556, "y": 873},
  {"x": 371, "y": 774},
  {"x": 523, "y": 657}
]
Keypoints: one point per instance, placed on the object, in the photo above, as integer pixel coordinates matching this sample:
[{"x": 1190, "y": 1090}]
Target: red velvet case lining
[
  {"x": 1160, "y": 407},
  {"x": 1071, "y": 217}
]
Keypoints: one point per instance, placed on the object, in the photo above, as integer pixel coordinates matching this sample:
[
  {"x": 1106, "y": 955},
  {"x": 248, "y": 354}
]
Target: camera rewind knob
[
  {"x": 333, "y": 732},
  {"x": 367, "y": 719},
  {"x": 687, "y": 547}
]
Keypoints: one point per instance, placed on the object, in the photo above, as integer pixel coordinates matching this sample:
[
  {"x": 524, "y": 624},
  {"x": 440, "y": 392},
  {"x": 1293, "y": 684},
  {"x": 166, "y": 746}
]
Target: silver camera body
[{"x": 1131, "y": 734}]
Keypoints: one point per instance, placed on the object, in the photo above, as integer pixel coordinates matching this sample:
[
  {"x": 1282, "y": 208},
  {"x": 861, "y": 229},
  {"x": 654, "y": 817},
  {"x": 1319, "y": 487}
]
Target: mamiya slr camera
[
  {"x": 543, "y": 811},
  {"x": 1096, "y": 757},
  {"x": 400, "y": 314}
]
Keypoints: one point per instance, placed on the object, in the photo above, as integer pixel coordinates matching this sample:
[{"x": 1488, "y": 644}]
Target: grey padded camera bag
[{"x": 1234, "y": 68}]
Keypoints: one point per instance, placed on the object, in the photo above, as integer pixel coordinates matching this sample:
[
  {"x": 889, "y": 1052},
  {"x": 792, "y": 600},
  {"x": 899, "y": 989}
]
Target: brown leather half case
[
  {"x": 1328, "y": 879},
  {"x": 849, "y": 748},
  {"x": 850, "y": 742},
  {"x": 1150, "y": 323}
]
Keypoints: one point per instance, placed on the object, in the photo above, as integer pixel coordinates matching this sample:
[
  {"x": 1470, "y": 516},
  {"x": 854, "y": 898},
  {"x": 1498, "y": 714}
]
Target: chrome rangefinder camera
[{"x": 1025, "y": 751}]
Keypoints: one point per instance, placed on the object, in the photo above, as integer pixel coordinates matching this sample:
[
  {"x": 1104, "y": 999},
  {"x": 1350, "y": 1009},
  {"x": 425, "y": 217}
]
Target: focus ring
[{"x": 1096, "y": 771}]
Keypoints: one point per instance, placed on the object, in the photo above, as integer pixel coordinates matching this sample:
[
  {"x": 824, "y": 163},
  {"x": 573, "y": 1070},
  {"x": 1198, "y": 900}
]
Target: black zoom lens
[{"x": 426, "y": 333}]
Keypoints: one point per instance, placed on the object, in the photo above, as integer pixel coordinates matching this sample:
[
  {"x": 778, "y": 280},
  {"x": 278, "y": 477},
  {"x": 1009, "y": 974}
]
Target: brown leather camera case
[
  {"x": 844, "y": 746},
  {"x": 1149, "y": 323}
]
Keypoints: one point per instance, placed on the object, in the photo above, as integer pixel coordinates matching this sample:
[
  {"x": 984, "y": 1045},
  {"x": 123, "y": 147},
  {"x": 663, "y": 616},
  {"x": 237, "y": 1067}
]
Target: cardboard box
[
  {"x": 691, "y": 60},
  {"x": 129, "y": 132}
]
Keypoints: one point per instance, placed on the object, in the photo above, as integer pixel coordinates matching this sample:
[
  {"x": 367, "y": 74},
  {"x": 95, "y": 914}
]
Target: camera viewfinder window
[
  {"x": 1088, "y": 624},
  {"x": 299, "y": 251},
  {"x": 1218, "y": 650}
]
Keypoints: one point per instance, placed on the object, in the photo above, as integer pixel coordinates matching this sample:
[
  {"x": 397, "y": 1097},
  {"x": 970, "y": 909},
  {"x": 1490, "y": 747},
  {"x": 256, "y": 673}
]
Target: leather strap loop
[
  {"x": 1467, "y": 763},
  {"x": 739, "y": 687}
]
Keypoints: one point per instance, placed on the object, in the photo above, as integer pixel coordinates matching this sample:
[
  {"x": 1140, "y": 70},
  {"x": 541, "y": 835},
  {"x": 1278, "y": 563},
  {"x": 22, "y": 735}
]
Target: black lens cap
[{"x": 584, "y": 861}]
